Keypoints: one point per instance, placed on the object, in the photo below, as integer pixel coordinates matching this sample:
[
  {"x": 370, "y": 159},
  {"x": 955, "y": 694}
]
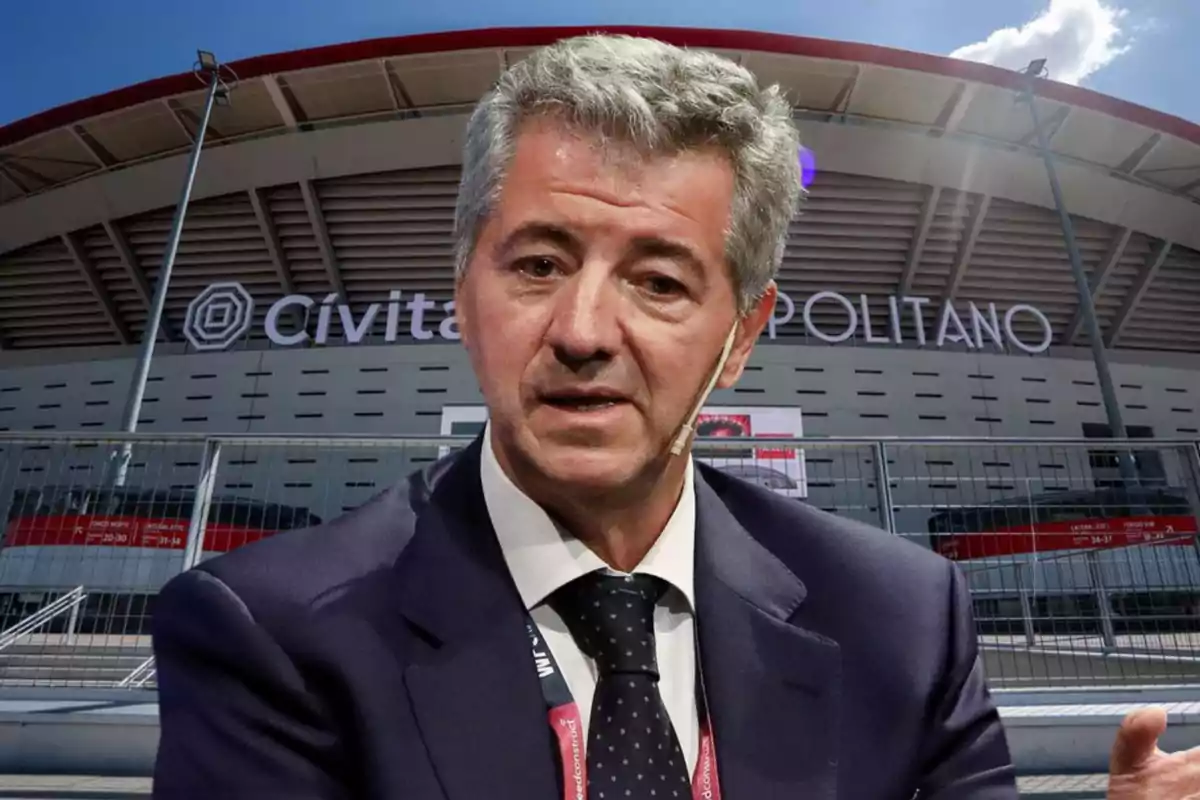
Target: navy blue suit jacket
[{"x": 384, "y": 655}]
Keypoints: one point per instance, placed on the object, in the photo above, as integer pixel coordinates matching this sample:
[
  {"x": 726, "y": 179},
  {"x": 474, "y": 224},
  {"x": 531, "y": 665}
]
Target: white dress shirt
[{"x": 542, "y": 558}]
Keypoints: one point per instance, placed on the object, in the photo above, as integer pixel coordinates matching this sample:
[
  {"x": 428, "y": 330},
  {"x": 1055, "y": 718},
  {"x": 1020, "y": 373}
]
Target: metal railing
[
  {"x": 142, "y": 674},
  {"x": 1078, "y": 578},
  {"x": 68, "y": 603}
]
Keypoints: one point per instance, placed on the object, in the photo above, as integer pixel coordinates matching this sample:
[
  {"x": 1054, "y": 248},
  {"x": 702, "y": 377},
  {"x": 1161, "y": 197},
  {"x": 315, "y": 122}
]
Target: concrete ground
[
  {"x": 72, "y": 787},
  {"x": 52, "y": 787}
]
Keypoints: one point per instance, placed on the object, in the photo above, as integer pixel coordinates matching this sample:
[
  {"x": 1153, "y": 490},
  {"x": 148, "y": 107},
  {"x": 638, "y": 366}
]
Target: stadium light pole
[
  {"x": 208, "y": 70},
  {"x": 1087, "y": 309}
]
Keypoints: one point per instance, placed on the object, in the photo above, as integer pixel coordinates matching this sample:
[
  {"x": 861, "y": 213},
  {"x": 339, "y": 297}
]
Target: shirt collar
[{"x": 542, "y": 557}]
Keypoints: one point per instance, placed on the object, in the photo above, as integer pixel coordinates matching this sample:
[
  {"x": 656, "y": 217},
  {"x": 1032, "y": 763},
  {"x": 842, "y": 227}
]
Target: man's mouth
[{"x": 582, "y": 401}]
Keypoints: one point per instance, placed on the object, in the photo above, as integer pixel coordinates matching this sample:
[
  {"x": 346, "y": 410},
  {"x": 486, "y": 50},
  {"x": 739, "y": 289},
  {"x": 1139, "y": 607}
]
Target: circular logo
[{"x": 218, "y": 316}]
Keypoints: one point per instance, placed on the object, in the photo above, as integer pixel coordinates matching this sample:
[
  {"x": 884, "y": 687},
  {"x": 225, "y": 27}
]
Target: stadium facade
[{"x": 926, "y": 288}]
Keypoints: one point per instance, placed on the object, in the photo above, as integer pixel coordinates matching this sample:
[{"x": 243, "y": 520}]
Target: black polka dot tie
[{"x": 632, "y": 749}]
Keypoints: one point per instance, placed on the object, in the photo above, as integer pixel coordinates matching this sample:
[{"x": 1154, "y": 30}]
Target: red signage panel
[
  {"x": 1084, "y": 534},
  {"x": 89, "y": 530}
]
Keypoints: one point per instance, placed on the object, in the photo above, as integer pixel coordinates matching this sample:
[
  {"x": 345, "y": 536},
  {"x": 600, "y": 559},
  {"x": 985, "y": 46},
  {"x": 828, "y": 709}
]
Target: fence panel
[
  {"x": 82, "y": 558},
  {"x": 295, "y": 483},
  {"x": 1080, "y": 576},
  {"x": 1081, "y": 573}
]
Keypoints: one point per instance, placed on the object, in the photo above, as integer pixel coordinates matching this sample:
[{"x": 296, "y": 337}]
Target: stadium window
[{"x": 1148, "y": 464}]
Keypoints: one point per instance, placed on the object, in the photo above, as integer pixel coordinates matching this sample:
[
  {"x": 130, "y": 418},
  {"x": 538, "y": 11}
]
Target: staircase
[{"x": 83, "y": 664}]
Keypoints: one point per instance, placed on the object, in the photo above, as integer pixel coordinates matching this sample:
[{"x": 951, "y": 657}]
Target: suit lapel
[
  {"x": 474, "y": 690},
  {"x": 773, "y": 687}
]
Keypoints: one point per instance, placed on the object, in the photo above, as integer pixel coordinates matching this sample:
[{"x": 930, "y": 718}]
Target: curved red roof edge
[{"x": 483, "y": 38}]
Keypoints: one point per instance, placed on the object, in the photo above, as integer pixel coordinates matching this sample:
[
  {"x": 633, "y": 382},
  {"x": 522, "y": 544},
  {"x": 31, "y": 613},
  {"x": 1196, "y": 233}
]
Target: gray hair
[{"x": 660, "y": 99}]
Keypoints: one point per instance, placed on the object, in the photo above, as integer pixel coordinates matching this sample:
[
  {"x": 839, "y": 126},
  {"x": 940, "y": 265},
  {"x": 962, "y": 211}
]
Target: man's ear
[{"x": 749, "y": 328}]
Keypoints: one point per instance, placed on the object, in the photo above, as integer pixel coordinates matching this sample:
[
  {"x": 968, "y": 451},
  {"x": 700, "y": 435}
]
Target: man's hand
[{"x": 1138, "y": 770}]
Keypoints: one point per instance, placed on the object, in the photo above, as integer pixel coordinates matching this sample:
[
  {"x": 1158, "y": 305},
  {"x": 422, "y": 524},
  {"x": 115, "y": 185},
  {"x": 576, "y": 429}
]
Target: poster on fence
[{"x": 780, "y": 469}]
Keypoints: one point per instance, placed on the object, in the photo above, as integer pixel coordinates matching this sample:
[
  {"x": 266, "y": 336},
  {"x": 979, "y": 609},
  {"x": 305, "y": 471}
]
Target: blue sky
[{"x": 55, "y": 52}]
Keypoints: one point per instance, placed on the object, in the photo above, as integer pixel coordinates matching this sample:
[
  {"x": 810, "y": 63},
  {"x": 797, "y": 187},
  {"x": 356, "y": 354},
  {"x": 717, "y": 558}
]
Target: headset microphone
[{"x": 686, "y": 431}]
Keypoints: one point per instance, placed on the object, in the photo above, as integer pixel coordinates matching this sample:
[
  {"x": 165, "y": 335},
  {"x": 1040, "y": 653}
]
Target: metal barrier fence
[{"x": 1079, "y": 577}]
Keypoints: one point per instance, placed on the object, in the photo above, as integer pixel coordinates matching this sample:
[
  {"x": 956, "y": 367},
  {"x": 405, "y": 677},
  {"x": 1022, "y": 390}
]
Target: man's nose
[{"x": 585, "y": 326}]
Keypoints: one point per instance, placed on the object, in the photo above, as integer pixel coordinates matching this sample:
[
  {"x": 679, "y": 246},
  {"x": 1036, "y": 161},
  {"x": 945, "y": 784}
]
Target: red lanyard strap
[{"x": 565, "y": 720}]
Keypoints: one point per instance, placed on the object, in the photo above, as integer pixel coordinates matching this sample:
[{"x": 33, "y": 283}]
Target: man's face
[{"x": 596, "y": 305}]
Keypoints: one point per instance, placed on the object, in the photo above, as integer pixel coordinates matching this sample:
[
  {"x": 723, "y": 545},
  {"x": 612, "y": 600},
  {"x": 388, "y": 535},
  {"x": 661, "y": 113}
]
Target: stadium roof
[{"x": 928, "y": 183}]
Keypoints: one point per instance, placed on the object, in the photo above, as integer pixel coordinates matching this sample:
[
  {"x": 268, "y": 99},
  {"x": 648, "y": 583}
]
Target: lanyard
[{"x": 567, "y": 724}]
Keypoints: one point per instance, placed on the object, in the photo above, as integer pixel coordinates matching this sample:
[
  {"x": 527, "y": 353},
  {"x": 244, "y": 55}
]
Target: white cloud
[{"x": 1077, "y": 37}]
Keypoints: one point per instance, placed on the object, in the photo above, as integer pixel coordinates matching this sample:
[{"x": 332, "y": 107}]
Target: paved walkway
[
  {"x": 72, "y": 787},
  {"x": 51, "y": 787},
  {"x": 1064, "y": 787}
]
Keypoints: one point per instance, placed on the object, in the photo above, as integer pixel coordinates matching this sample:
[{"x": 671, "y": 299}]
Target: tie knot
[{"x": 612, "y": 620}]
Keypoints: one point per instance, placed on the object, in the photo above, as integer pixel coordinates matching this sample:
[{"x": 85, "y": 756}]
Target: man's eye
[
  {"x": 662, "y": 286},
  {"x": 537, "y": 267}
]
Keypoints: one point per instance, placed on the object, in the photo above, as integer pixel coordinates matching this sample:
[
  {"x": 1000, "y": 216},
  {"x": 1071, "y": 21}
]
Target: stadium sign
[
  {"x": 224, "y": 312},
  {"x": 976, "y": 327}
]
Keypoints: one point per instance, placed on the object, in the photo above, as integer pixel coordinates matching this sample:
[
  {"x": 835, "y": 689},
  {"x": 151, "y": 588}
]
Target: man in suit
[{"x": 570, "y": 607}]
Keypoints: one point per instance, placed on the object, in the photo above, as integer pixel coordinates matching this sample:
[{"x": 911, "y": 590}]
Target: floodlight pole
[
  {"x": 211, "y": 71},
  {"x": 1087, "y": 308}
]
